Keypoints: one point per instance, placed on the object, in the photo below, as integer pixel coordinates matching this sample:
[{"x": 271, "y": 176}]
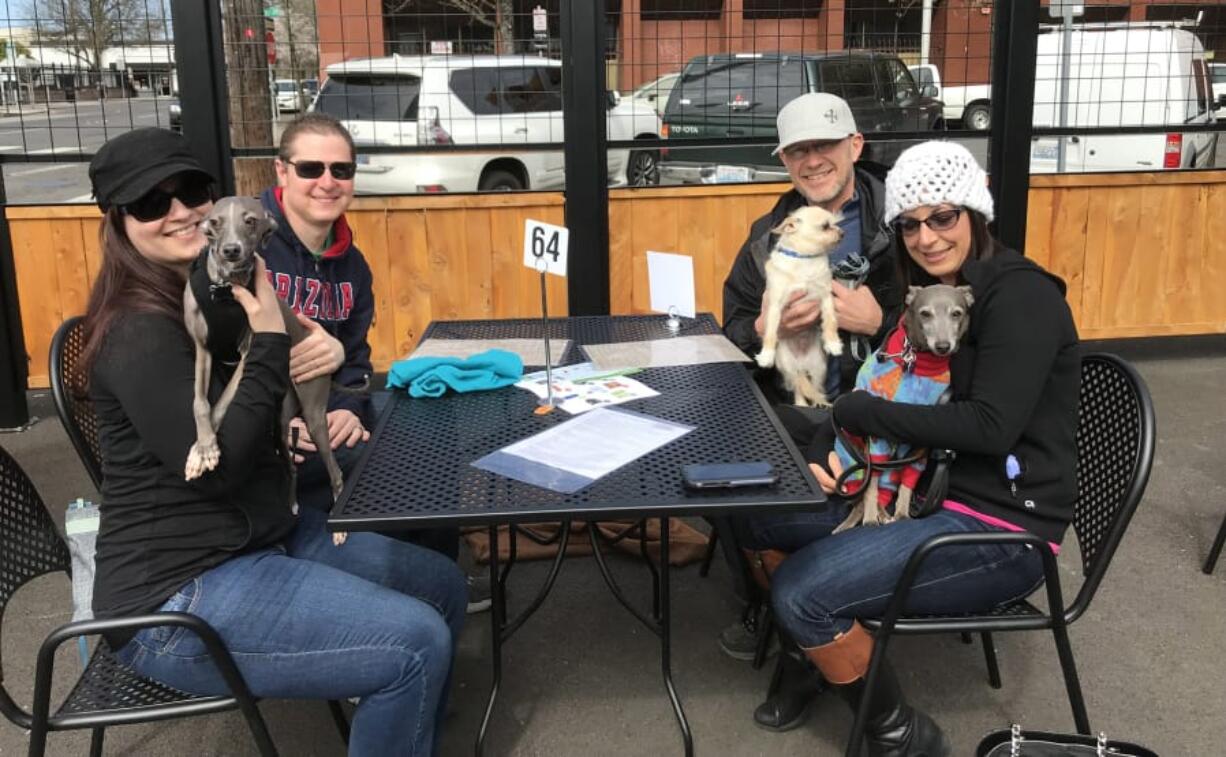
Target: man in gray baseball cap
[{"x": 820, "y": 146}]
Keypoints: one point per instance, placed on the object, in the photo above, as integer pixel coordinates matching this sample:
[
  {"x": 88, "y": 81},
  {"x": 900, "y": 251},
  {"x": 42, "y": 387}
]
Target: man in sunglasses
[
  {"x": 819, "y": 145},
  {"x": 316, "y": 268}
]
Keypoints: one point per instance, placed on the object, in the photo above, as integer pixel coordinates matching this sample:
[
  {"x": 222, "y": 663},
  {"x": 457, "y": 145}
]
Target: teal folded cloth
[{"x": 433, "y": 376}]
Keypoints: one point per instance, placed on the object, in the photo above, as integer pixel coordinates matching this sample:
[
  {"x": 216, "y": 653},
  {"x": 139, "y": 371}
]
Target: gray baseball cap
[{"x": 816, "y": 116}]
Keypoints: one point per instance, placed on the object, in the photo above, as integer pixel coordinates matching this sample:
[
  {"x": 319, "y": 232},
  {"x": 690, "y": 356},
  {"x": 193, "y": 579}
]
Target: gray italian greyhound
[{"x": 237, "y": 228}]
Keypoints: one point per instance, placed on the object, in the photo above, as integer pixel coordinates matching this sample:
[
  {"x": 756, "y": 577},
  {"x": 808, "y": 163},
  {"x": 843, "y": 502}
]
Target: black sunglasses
[
  {"x": 942, "y": 220},
  {"x": 313, "y": 169},
  {"x": 193, "y": 190}
]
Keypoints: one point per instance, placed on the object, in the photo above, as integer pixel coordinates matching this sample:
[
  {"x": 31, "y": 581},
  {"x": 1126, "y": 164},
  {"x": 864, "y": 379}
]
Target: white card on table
[
  {"x": 545, "y": 247},
  {"x": 671, "y": 281}
]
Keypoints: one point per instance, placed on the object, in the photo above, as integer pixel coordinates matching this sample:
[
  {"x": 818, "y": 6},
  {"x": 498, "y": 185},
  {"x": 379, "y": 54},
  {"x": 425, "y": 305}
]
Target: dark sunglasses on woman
[
  {"x": 941, "y": 220},
  {"x": 193, "y": 190},
  {"x": 313, "y": 169}
]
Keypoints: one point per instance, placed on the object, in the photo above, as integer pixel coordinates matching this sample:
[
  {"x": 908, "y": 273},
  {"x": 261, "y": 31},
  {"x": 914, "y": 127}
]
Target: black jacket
[
  {"x": 746, "y": 281},
  {"x": 1015, "y": 381},
  {"x": 159, "y": 531}
]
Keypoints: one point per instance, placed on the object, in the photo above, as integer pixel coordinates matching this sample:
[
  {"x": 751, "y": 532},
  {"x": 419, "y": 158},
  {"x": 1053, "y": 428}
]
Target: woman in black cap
[{"x": 374, "y": 618}]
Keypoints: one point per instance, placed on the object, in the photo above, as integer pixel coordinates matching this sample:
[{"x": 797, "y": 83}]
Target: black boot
[
  {"x": 797, "y": 683},
  {"x": 894, "y": 728}
]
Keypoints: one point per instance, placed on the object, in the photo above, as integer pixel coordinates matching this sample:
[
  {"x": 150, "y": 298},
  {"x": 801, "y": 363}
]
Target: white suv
[{"x": 491, "y": 102}]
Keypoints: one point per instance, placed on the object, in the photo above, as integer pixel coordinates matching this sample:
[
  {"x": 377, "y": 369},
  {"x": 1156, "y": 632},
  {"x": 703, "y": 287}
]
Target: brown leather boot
[
  {"x": 762, "y": 565},
  {"x": 894, "y": 728}
]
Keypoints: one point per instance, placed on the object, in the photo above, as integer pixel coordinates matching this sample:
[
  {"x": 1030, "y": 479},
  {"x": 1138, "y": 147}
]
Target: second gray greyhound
[{"x": 237, "y": 228}]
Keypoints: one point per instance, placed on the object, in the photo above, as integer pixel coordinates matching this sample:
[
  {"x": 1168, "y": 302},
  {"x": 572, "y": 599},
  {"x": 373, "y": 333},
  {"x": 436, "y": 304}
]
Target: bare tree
[
  {"x": 85, "y": 28},
  {"x": 496, "y": 14}
]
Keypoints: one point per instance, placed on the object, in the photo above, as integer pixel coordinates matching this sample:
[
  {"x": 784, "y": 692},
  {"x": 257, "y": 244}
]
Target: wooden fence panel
[{"x": 1142, "y": 254}]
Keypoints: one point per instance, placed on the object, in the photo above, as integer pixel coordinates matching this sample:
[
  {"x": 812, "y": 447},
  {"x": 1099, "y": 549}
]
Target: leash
[{"x": 852, "y": 271}]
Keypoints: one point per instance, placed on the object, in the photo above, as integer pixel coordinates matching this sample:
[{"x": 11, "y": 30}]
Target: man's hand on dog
[
  {"x": 857, "y": 310},
  {"x": 263, "y": 310},
  {"x": 797, "y": 316},
  {"x": 319, "y": 354},
  {"x": 826, "y": 479},
  {"x": 344, "y": 427}
]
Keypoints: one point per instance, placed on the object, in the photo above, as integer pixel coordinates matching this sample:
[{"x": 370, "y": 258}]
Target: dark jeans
[
  {"x": 315, "y": 492},
  {"x": 829, "y": 580}
]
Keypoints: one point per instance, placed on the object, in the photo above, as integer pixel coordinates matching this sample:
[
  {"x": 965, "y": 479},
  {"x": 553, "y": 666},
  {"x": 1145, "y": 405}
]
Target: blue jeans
[
  {"x": 829, "y": 580},
  {"x": 375, "y": 618}
]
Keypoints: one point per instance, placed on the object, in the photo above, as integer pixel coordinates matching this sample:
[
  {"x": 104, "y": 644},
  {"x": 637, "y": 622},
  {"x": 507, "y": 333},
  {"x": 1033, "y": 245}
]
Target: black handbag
[{"x": 1018, "y": 743}]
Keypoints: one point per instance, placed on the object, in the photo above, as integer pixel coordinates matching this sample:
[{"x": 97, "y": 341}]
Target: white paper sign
[
  {"x": 545, "y": 247},
  {"x": 671, "y": 281}
]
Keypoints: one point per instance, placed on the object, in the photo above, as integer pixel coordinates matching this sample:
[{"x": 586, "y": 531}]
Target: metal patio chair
[
  {"x": 1115, "y": 451},
  {"x": 112, "y": 687}
]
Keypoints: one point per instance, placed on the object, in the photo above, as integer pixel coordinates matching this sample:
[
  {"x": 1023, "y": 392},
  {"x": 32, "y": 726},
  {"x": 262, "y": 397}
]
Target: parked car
[
  {"x": 1126, "y": 76},
  {"x": 289, "y": 95},
  {"x": 654, "y": 93},
  {"x": 176, "y": 115},
  {"x": 1217, "y": 74},
  {"x": 971, "y": 104},
  {"x": 494, "y": 102},
  {"x": 739, "y": 95}
]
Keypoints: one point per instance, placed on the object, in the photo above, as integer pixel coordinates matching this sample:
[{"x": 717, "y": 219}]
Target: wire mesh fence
[{"x": 467, "y": 95}]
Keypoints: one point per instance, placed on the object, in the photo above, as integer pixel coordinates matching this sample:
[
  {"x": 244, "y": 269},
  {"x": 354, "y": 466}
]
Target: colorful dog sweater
[{"x": 897, "y": 372}]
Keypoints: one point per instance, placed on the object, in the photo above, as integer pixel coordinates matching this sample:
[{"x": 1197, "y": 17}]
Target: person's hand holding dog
[
  {"x": 263, "y": 310},
  {"x": 857, "y": 310},
  {"x": 797, "y": 316},
  {"x": 344, "y": 427},
  {"x": 826, "y": 479},
  {"x": 319, "y": 354}
]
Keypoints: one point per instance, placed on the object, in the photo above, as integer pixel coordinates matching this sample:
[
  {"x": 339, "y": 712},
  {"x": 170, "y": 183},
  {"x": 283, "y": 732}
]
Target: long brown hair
[
  {"x": 126, "y": 283},
  {"x": 983, "y": 247}
]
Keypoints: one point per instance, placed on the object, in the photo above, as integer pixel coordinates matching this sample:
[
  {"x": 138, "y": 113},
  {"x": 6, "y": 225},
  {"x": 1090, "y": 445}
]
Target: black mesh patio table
[{"x": 417, "y": 470}]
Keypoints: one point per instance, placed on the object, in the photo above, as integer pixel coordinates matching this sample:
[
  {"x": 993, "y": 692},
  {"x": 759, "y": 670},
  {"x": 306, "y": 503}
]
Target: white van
[
  {"x": 492, "y": 101},
  {"x": 1148, "y": 76}
]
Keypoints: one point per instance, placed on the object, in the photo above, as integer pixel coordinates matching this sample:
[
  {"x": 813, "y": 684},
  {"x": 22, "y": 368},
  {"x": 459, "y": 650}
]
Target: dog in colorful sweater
[{"x": 912, "y": 366}]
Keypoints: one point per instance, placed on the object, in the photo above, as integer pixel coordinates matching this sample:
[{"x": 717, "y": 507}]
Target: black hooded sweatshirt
[{"x": 1016, "y": 381}]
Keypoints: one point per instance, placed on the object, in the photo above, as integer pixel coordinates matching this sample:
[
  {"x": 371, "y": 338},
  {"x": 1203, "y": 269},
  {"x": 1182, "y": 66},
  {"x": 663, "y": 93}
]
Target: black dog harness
[{"x": 225, "y": 318}]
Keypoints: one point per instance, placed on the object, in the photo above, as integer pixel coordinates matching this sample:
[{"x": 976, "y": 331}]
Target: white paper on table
[
  {"x": 531, "y": 351},
  {"x": 660, "y": 353},
  {"x": 670, "y": 278},
  {"x": 597, "y": 443},
  {"x": 580, "y": 388}
]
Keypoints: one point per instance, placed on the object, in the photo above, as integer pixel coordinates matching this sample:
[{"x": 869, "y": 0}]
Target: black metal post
[
  {"x": 584, "y": 105},
  {"x": 1015, "y": 28},
  {"x": 202, "y": 85},
  {"x": 14, "y": 363}
]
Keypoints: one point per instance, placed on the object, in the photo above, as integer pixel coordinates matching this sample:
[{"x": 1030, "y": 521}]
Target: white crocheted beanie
[{"x": 933, "y": 173}]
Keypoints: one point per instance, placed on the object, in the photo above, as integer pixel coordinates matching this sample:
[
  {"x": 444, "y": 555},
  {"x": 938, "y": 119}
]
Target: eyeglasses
[
  {"x": 313, "y": 169},
  {"x": 942, "y": 220},
  {"x": 193, "y": 190}
]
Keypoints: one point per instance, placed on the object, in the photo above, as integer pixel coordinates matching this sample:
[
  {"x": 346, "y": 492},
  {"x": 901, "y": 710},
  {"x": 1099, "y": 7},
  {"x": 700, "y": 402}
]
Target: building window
[
  {"x": 766, "y": 10},
  {"x": 681, "y": 10}
]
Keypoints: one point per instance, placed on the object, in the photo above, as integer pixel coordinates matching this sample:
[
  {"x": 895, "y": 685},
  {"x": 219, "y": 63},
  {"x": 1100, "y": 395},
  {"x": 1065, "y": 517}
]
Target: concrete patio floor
[{"x": 582, "y": 677}]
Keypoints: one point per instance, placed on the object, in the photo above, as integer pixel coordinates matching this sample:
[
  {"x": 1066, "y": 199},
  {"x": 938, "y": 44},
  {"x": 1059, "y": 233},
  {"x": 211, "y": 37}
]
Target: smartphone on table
[{"x": 728, "y": 475}]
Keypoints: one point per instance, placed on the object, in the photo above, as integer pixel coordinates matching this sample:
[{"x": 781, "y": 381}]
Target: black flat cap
[{"x": 128, "y": 166}]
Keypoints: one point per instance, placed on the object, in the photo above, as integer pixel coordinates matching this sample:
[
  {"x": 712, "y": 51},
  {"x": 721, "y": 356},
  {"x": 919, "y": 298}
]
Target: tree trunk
[
  {"x": 504, "y": 29},
  {"x": 251, "y": 110}
]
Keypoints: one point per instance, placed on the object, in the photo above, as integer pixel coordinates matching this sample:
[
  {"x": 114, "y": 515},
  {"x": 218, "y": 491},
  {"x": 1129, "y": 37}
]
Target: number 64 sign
[{"x": 545, "y": 247}]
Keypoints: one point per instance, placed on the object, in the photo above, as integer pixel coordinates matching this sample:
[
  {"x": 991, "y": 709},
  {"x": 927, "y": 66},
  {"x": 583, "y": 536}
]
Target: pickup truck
[{"x": 970, "y": 104}]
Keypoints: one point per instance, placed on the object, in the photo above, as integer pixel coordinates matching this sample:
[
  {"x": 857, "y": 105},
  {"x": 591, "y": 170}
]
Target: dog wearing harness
[{"x": 912, "y": 366}]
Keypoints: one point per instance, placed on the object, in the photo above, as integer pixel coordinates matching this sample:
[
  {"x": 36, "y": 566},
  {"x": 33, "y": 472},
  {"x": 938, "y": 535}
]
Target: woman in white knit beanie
[{"x": 1011, "y": 422}]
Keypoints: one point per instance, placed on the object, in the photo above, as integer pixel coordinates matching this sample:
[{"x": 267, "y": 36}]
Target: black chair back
[
  {"x": 68, "y": 388},
  {"x": 1115, "y": 452},
  {"x": 30, "y": 546}
]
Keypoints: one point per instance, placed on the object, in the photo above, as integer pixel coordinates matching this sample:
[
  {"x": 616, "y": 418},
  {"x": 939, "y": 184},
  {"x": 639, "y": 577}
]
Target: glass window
[
  {"x": 477, "y": 88},
  {"x": 896, "y": 81},
  {"x": 524, "y": 90},
  {"x": 752, "y": 87},
  {"x": 1201, "y": 77},
  {"x": 677, "y": 10},
  {"x": 370, "y": 97},
  {"x": 851, "y": 80}
]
